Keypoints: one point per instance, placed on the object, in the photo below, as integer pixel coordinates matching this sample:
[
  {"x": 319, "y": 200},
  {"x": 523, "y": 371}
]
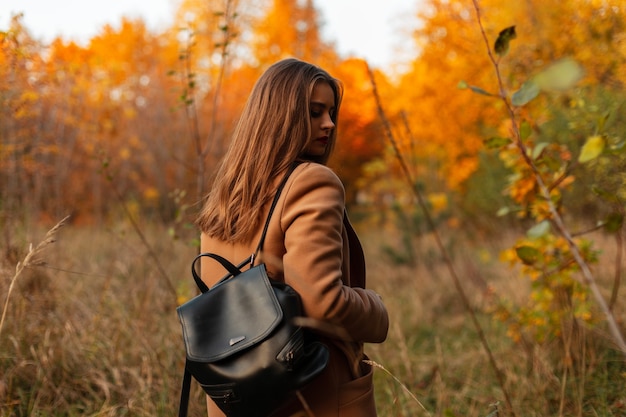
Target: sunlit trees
[
  {"x": 24, "y": 150},
  {"x": 289, "y": 28},
  {"x": 360, "y": 138},
  {"x": 135, "y": 115},
  {"x": 157, "y": 109},
  {"x": 448, "y": 123}
]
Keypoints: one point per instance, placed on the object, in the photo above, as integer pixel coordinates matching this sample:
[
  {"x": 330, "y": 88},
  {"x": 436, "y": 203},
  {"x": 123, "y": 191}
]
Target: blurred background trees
[{"x": 149, "y": 114}]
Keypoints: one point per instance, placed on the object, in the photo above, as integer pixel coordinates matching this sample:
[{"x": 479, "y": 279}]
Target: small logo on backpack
[{"x": 236, "y": 340}]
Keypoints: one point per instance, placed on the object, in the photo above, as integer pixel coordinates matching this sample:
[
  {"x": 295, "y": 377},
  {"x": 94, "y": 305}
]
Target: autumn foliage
[
  {"x": 146, "y": 116},
  {"x": 148, "y": 105}
]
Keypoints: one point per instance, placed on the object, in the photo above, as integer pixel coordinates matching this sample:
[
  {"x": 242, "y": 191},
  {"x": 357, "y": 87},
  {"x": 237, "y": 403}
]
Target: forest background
[{"x": 498, "y": 150}]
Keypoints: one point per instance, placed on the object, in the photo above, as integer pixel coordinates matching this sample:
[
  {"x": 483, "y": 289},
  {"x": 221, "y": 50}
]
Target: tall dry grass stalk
[
  {"x": 404, "y": 387},
  {"x": 30, "y": 260},
  {"x": 80, "y": 339},
  {"x": 452, "y": 271}
]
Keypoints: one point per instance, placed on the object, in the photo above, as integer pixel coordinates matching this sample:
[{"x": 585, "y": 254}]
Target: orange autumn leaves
[
  {"x": 84, "y": 122},
  {"x": 123, "y": 97}
]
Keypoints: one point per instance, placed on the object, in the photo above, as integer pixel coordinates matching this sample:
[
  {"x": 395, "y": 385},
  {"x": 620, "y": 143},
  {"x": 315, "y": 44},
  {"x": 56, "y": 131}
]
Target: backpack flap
[{"x": 230, "y": 317}]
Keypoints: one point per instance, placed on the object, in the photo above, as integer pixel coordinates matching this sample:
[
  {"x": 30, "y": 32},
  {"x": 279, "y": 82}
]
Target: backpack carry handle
[{"x": 233, "y": 270}]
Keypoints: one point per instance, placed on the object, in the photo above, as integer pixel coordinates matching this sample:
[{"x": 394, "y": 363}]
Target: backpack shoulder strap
[
  {"x": 184, "y": 393},
  {"x": 259, "y": 247},
  {"x": 236, "y": 269}
]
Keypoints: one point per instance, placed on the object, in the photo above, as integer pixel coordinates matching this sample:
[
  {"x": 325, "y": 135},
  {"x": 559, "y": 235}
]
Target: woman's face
[{"x": 322, "y": 113}]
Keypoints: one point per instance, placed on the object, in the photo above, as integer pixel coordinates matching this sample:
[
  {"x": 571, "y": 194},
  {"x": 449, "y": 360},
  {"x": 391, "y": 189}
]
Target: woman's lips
[{"x": 323, "y": 140}]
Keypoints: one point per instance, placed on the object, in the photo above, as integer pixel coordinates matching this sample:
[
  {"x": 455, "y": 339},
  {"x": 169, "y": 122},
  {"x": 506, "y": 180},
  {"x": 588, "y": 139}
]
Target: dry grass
[
  {"x": 94, "y": 333},
  {"x": 433, "y": 349}
]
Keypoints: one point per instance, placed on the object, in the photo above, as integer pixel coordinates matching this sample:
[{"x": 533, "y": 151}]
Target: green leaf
[
  {"x": 602, "y": 121},
  {"x": 501, "y": 46},
  {"x": 462, "y": 85},
  {"x": 538, "y": 149},
  {"x": 449, "y": 413},
  {"x": 560, "y": 76},
  {"x": 614, "y": 222},
  {"x": 503, "y": 211},
  {"x": 618, "y": 147},
  {"x": 525, "y": 130},
  {"x": 592, "y": 148},
  {"x": 479, "y": 90},
  {"x": 496, "y": 142},
  {"x": 538, "y": 230},
  {"x": 528, "y": 254},
  {"x": 525, "y": 94},
  {"x": 606, "y": 195}
]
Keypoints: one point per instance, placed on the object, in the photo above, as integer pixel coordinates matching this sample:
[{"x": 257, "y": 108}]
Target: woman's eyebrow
[{"x": 321, "y": 103}]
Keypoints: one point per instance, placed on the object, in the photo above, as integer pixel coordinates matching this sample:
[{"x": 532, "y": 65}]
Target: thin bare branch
[
  {"x": 444, "y": 252},
  {"x": 619, "y": 239},
  {"x": 151, "y": 253}
]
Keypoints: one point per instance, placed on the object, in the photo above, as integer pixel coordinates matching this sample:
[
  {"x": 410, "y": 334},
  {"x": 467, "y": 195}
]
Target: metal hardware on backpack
[{"x": 241, "y": 342}]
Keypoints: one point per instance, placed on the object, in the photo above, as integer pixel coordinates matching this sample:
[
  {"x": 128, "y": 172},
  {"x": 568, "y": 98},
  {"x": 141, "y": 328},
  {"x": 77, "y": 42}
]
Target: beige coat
[{"x": 314, "y": 249}]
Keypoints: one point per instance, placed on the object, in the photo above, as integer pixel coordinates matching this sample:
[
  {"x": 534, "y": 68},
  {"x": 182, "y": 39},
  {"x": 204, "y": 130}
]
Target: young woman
[{"x": 290, "y": 116}]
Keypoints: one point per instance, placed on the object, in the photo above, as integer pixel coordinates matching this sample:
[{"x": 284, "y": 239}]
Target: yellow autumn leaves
[{"x": 592, "y": 148}]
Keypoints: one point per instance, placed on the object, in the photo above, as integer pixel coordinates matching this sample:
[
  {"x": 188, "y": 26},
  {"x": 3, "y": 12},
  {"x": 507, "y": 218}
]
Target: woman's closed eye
[{"x": 319, "y": 113}]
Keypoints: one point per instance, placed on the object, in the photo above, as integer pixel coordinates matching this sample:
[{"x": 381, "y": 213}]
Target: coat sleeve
[{"x": 312, "y": 222}]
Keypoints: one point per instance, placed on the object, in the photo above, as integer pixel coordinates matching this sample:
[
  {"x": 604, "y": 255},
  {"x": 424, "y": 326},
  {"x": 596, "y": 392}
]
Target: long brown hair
[{"x": 272, "y": 133}]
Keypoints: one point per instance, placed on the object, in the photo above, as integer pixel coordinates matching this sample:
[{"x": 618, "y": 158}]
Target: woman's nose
[{"x": 328, "y": 123}]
